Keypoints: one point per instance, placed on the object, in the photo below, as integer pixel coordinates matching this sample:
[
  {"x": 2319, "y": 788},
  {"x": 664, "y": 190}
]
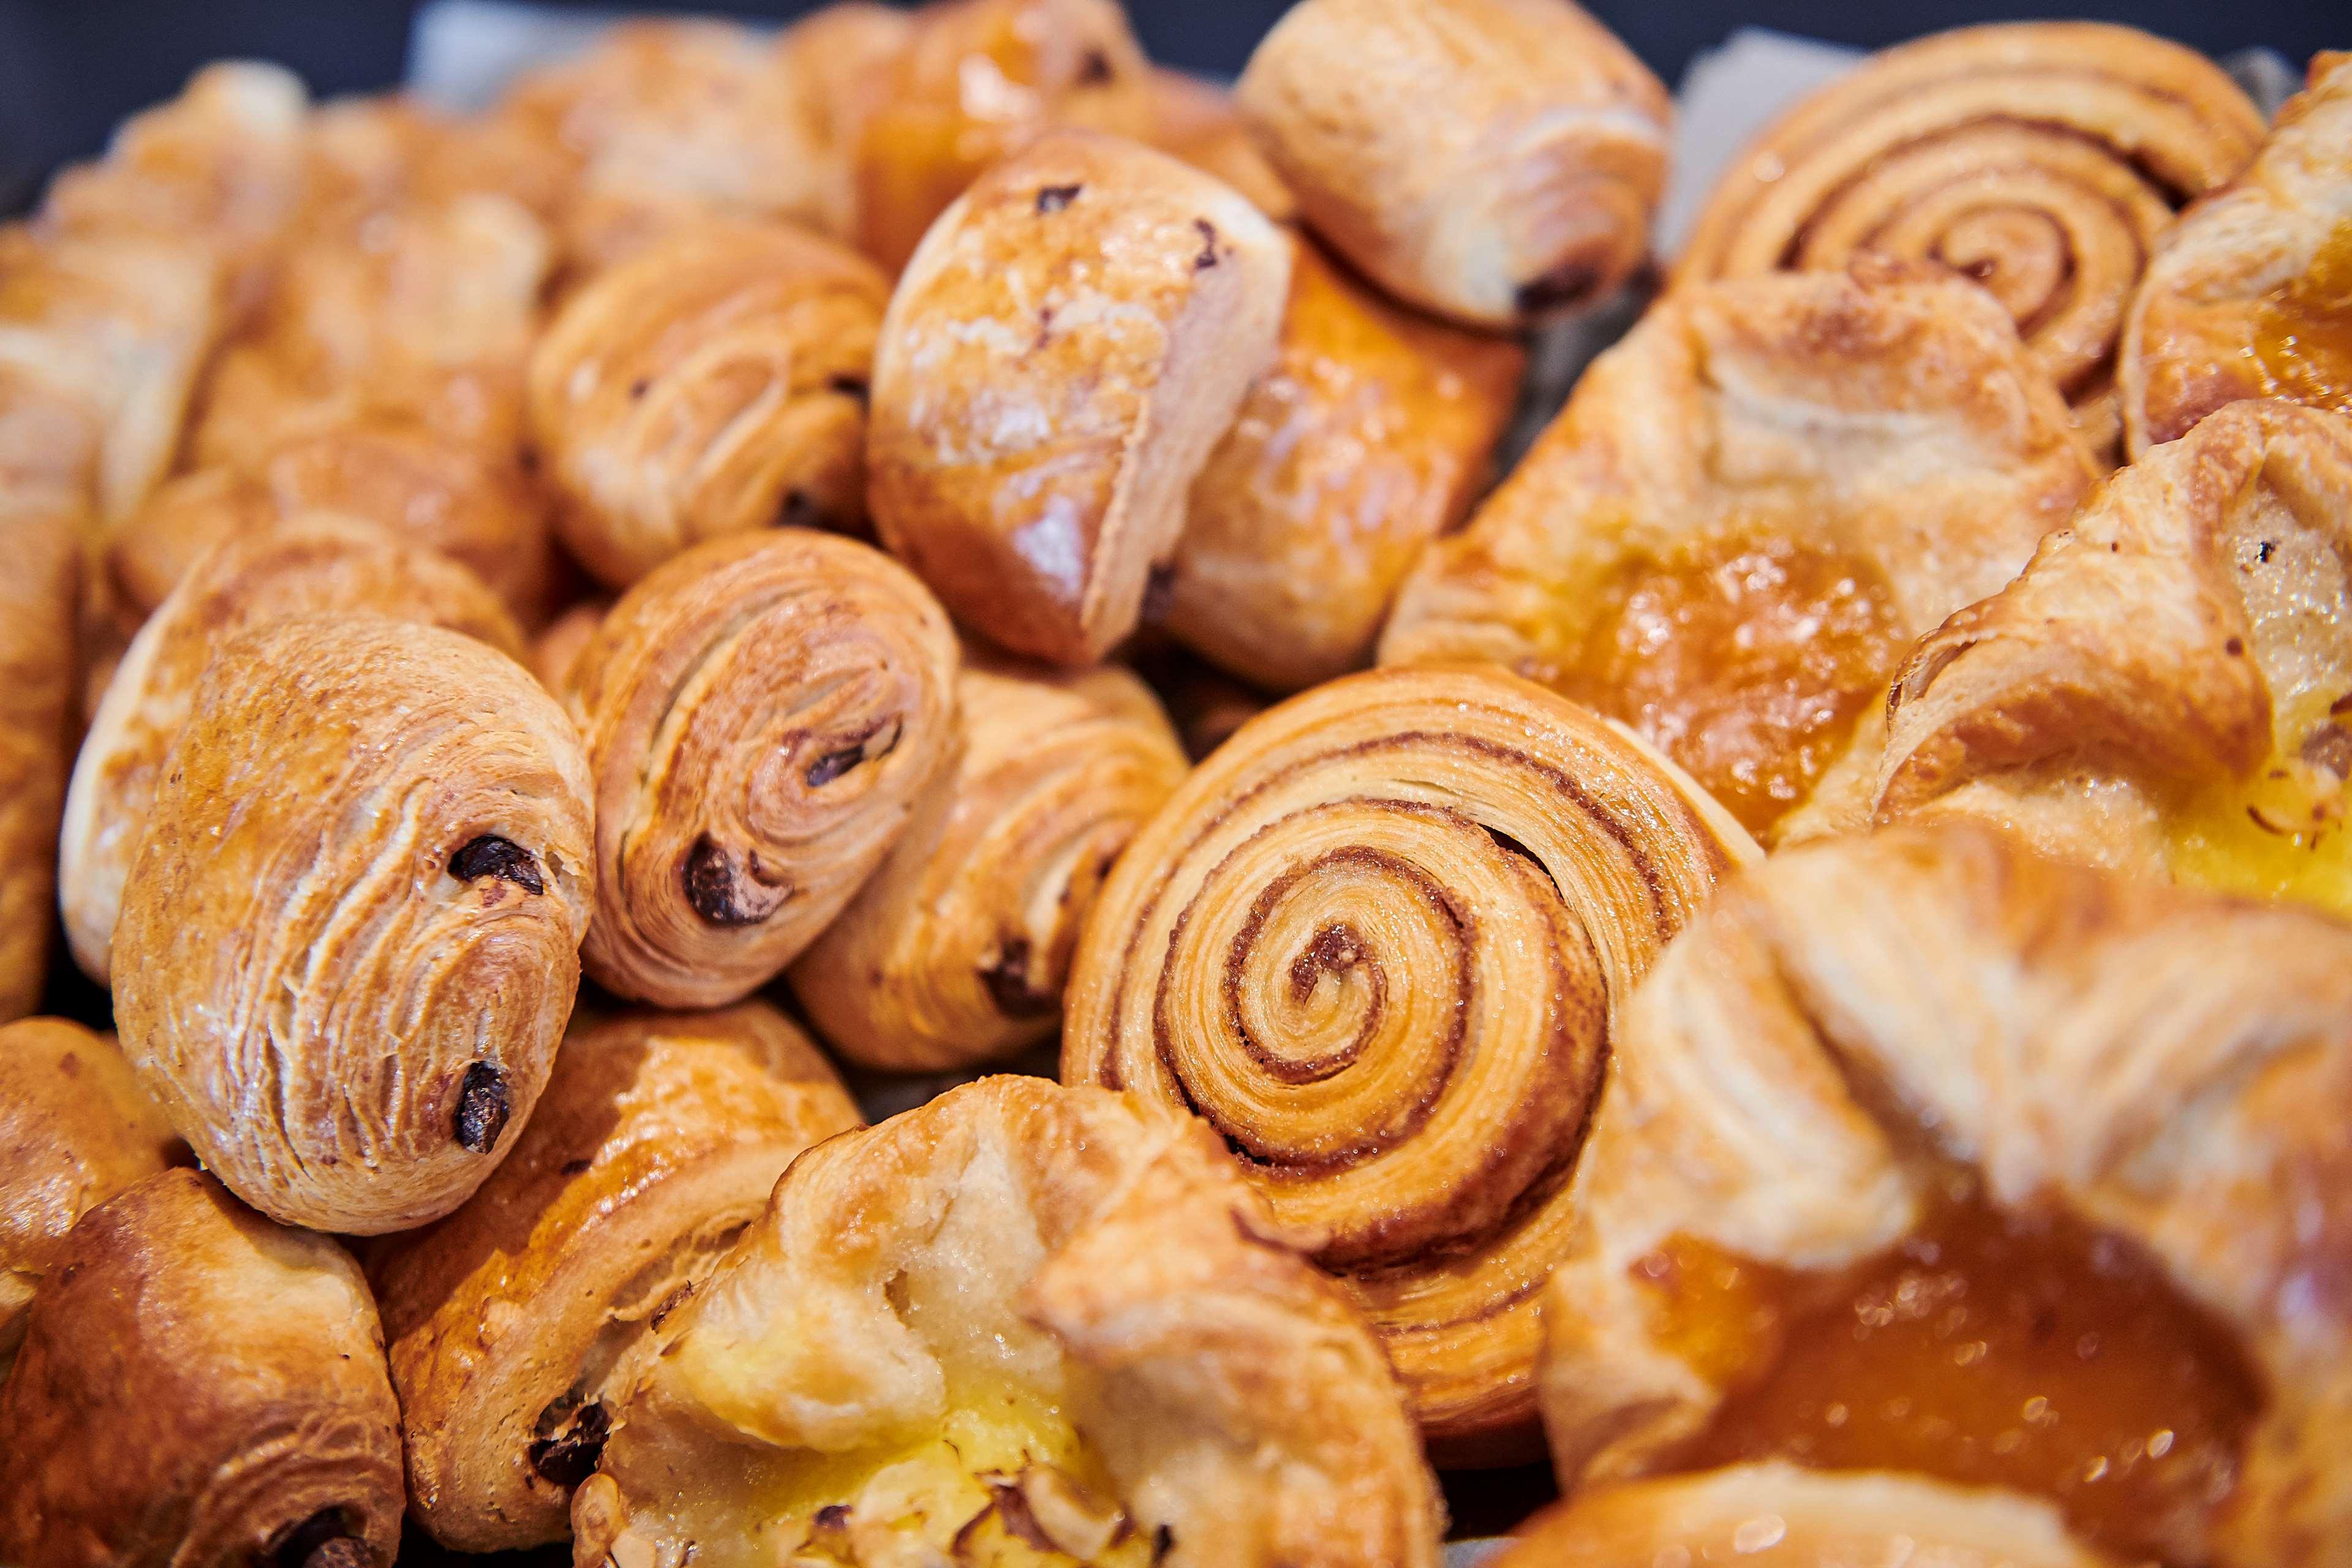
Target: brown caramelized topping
[{"x": 2303, "y": 332}]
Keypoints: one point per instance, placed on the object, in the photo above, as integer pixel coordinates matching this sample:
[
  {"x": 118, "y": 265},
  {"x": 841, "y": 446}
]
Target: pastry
[
  {"x": 40, "y": 544},
  {"x": 348, "y": 940},
  {"x": 760, "y": 715},
  {"x": 317, "y": 564},
  {"x": 199, "y": 1388},
  {"x": 1071, "y": 339},
  {"x": 1749, "y": 509},
  {"x": 2042, "y": 159},
  {"x": 377, "y": 153},
  {"x": 1919, "y": 1153},
  {"x": 1494, "y": 161},
  {"x": 554, "y": 650},
  {"x": 655, "y": 1146},
  {"x": 1033, "y": 1324},
  {"x": 1195, "y": 119},
  {"x": 1379, "y": 939},
  {"x": 2249, "y": 293},
  {"x": 955, "y": 950},
  {"x": 715, "y": 383}
]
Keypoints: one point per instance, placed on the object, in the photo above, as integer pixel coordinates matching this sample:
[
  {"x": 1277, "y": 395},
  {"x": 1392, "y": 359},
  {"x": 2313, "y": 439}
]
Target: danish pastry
[{"x": 40, "y": 544}]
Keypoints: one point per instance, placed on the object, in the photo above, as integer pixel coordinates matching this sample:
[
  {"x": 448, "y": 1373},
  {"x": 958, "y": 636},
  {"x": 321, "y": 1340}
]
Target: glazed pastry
[
  {"x": 40, "y": 543},
  {"x": 760, "y": 715},
  {"x": 554, "y": 651},
  {"x": 348, "y": 940},
  {"x": 1749, "y": 509},
  {"x": 1038, "y": 1325},
  {"x": 955, "y": 951},
  {"x": 1523, "y": 185},
  {"x": 716, "y": 382},
  {"x": 1378, "y": 941},
  {"x": 2042, "y": 159},
  {"x": 319, "y": 564},
  {"x": 1196, "y": 119},
  {"x": 199, "y": 1388},
  {"x": 1372, "y": 435},
  {"x": 1073, "y": 338},
  {"x": 656, "y": 1145},
  {"x": 2250, "y": 294}
]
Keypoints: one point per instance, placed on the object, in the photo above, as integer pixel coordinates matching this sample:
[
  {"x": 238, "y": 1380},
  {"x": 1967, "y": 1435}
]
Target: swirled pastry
[
  {"x": 761, "y": 714},
  {"x": 350, "y": 940},
  {"x": 656, "y": 1145},
  {"x": 2249, "y": 293},
  {"x": 956, "y": 949},
  {"x": 199, "y": 1388},
  {"x": 1523, "y": 186},
  {"x": 1031, "y": 1323},
  {"x": 2042, "y": 159},
  {"x": 1071, "y": 339},
  {"x": 1379, "y": 939},
  {"x": 40, "y": 557},
  {"x": 714, "y": 383},
  {"x": 1749, "y": 509}
]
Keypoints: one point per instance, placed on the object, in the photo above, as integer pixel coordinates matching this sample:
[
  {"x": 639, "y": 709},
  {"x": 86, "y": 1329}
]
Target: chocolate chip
[
  {"x": 1208, "y": 257},
  {"x": 1094, "y": 69},
  {"x": 833, "y": 764},
  {"x": 1163, "y": 1541},
  {"x": 322, "y": 1541},
  {"x": 2235, "y": 648},
  {"x": 850, "y": 386},
  {"x": 1007, "y": 978},
  {"x": 1054, "y": 198},
  {"x": 483, "y": 1107},
  {"x": 575, "y": 1167},
  {"x": 570, "y": 1456},
  {"x": 707, "y": 874},
  {"x": 1570, "y": 283},
  {"x": 490, "y": 856},
  {"x": 2265, "y": 551}
]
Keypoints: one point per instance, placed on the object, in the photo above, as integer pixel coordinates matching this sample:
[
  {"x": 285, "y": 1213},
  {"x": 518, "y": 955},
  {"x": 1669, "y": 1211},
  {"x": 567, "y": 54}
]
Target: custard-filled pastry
[
  {"x": 1919, "y": 1153},
  {"x": 2249, "y": 293},
  {"x": 199, "y": 1388},
  {"x": 556, "y": 649},
  {"x": 1022, "y": 1323},
  {"x": 715, "y": 383},
  {"x": 1196, "y": 119},
  {"x": 1494, "y": 161},
  {"x": 1073, "y": 338},
  {"x": 956, "y": 949},
  {"x": 1749, "y": 509},
  {"x": 761, "y": 714},
  {"x": 40, "y": 557},
  {"x": 656, "y": 1142},
  {"x": 2042, "y": 159},
  {"x": 1379, "y": 939},
  {"x": 350, "y": 938},
  {"x": 1371, "y": 434},
  {"x": 319, "y": 564}
]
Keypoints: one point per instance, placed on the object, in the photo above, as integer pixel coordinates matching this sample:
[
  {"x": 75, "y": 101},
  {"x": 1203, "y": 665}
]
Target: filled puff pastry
[
  {"x": 1523, "y": 187},
  {"x": 1032, "y": 1323},
  {"x": 1071, "y": 339},
  {"x": 40, "y": 559},
  {"x": 1749, "y": 509},
  {"x": 956, "y": 949},
  {"x": 2250, "y": 294},
  {"x": 199, "y": 1388},
  {"x": 1379, "y": 939},
  {"x": 760, "y": 715},
  {"x": 715, "y": 383},
  {"x": 348, "y": 940},
  {"x": 657, "y": 1141}
]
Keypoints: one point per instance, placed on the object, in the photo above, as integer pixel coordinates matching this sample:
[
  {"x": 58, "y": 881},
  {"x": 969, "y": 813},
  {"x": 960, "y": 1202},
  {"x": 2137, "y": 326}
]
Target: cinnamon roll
[
  {"x": 2042, "y": 159},
  {"x": 40, "y": 544},
  {"x": 956, "y": 949},
  {"x": 1065, "y": 350},
  {"x": 760, "y": 715},
  {"x": 1379, "y": 940},
  {"x": 350, "y": 938},
  {"x": 1028, "y": 1324}
]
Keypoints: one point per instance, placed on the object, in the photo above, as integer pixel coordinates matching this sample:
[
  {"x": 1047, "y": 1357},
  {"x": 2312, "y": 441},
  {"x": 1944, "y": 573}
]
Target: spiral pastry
[
  {"x": 761, "y": 714},
  {"x": 41, "y": 541},
  {"x": 350, "y": 940},
  {"x": 2040, "y": 158},
  {"x": 1379, "y": 939},
  {"x": 956, "y": 949}
]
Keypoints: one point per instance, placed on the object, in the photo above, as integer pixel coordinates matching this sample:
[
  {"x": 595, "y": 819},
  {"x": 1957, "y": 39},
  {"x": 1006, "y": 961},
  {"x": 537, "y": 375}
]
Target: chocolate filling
[
  {"x": 490, "y": 856},
  {"x": 1054, "y": 198},
  {"x": 483, "y": 1107},
  {"x": 322, "y": 1541},
  {"x": 567, "y": 1455}
]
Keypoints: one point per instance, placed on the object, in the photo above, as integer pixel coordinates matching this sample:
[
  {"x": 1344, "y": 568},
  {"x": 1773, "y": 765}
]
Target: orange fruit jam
[{"x": 2303, "y": 332}]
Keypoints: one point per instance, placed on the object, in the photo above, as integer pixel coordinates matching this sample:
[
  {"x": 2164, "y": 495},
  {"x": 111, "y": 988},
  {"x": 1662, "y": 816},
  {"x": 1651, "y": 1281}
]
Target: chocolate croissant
[
  {"x": 348, "y": 940},
  {"x": 41, "y": 541}
]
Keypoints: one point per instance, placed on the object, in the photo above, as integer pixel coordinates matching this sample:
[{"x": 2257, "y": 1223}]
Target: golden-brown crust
[
  {"x": 1523, "y": 189},
  {"x": 1069, "y": 342},
  {"x": 349, "y": 942},
  {"x": 1195, "y": 119},
  {"x": 40, "y": 544},
  {"x": 557, "y": 648}
]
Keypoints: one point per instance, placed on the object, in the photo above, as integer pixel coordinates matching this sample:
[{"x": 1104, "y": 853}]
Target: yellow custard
[{"x": 2282, "y": 834}]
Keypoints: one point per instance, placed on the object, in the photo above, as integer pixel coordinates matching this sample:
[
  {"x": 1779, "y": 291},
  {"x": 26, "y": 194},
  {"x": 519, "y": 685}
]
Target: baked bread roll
[
  {"x": 199, "y": 1388},
  {"x": 956, "y": 949},
  {"x": 2249, "y": 293},
  {"x": 2042, "y": 159},
  {"x": 1378, "y": 941},
  {"x": 350, "y": 938},
  {"x": 40, "y": 545},
  {"x": 1749, "y": 509},
  {"x": 1494, "y": 161},
  {"x": 714, "y": 383},
  {"x": 655, "y": 1146},
  {"x": 1071, "y": 339},
  {"x": 760, "y": 715},
  {"x": 1038, "y": 1324}
]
